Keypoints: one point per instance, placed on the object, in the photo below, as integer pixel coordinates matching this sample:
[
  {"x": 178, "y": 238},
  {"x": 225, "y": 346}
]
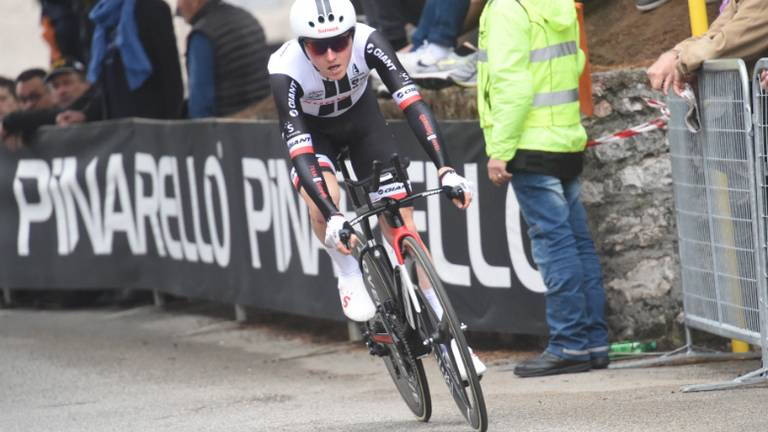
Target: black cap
[{"x": 65, "y": 65}]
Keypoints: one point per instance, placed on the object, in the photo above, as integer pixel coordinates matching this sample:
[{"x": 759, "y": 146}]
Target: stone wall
[{"x": 628, "y": 194}]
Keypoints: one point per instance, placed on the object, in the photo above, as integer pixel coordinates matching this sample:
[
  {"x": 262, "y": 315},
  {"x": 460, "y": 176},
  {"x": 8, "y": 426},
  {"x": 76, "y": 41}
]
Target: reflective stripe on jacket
[{"x": 528, "y": 77}]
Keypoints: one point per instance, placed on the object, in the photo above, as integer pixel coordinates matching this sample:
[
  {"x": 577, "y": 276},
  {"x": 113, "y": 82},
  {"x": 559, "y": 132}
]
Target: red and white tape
[{"x": 657, "y": 123}]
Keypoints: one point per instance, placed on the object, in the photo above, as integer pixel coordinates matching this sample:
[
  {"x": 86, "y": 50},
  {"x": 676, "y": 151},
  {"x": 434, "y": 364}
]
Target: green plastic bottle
[{"x": 632, "y": 347}]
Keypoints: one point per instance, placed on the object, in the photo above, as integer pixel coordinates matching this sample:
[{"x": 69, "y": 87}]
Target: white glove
[
  {"x": 450, "y": 178},
  {"x": 336, "y": 224}
]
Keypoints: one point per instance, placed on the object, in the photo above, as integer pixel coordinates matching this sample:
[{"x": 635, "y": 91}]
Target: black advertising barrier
[{"x": 205, "y": 209}]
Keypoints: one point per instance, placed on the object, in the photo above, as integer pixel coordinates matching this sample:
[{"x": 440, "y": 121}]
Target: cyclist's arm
[
  {"x": 380, "y": 56},
  {"x": 286, "y": 92}
]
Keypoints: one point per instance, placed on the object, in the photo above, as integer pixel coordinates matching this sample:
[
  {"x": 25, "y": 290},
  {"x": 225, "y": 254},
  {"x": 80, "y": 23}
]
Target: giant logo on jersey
[
  {"x": 300, "y": 145},
  {"x": 292, "y": 90},
  {"x": 381, "y": 55}
]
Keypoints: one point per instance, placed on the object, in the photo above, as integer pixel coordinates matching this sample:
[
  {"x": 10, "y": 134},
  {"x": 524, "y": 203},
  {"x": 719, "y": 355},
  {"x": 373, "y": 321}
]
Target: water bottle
[{"x": 632, "y": 347}]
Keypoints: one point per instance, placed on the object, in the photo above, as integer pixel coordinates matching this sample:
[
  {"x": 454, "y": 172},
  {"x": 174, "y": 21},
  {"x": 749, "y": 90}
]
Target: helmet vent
[
  {"x": 331, "y": 17},
  {"x": 311, "y": 24},
  {"x": 341, "y": 18},
  {"x": 321, "y": 19}
]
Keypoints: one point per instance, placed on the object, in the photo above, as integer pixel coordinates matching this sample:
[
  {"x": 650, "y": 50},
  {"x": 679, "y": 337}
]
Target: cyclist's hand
[
  {"x": 339, "y": 234},
  {"x": 460, "y": 191}
]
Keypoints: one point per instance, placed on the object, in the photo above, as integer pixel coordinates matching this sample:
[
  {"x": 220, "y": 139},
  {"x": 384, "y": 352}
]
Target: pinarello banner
[{"x": 206, "y": 209}]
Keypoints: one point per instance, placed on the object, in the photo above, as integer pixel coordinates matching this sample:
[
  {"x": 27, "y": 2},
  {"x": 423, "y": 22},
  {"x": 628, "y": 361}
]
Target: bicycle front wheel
[
  {"x": 404, "y": 368},
  {"x": 439, "y": 323}
]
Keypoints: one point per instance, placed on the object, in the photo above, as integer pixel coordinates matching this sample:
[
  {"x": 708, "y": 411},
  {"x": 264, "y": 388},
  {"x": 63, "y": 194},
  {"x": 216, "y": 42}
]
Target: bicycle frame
[{"x": 387, "y": 207}]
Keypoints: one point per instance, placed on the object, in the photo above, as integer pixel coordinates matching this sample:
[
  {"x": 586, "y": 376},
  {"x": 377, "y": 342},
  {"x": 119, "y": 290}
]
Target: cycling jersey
[{"x": 305, "y": 100}]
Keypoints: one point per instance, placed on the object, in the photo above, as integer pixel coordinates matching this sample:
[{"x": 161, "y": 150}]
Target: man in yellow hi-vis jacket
[{"x": 528, "y": 76}]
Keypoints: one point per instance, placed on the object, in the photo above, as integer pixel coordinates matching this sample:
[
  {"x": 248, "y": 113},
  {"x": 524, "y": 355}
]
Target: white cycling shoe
[
  {"x": 480, "y": 367},
  {"x": 355, "y": 300}
]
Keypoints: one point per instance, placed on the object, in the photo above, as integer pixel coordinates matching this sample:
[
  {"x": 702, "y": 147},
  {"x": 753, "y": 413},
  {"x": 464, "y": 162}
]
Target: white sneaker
[
  {"x": 423, "y": 58},
  {"x": 355, "y": 300},
  {"x": 464, "y": 73},
  {"x": 480, "y": 367}
]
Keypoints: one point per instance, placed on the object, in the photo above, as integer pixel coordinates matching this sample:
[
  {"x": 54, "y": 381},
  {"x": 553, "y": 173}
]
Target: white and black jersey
[{"x": 318, "y": 116}]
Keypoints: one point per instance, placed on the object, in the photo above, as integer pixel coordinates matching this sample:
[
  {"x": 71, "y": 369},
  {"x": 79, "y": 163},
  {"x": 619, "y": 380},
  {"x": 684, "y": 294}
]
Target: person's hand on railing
[
  {"x": 764, "y": 79},
  {"x": 12, "y": 142},
  {"x": 70, "y": 117},
  {"x": 461, "y": 191},
  {"x": 664, "y": 73},
  {"x": 339, "y": 234}
]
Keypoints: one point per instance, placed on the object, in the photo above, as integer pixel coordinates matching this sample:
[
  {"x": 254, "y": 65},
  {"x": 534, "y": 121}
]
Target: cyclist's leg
[
  {"x": 316, "y": 216},
  {"x": 355, "y": 301}
]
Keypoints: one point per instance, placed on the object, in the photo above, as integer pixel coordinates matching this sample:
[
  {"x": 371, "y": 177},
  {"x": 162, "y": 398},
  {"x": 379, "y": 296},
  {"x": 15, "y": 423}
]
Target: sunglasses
[{"x": 336, "y": 44}]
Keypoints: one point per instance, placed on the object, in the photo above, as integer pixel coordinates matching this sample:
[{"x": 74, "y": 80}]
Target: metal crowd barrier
[{"x": 719, "y": 183}]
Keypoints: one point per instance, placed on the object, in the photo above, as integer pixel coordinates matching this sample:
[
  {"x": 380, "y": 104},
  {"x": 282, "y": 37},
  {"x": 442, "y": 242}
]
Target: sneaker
[
  {"x": 549, "y": 364},
  {"x": 424, "y": 58},
  {"x": 480, "y": 367},
  {"x": 355, "y": 300},
  {"x": 464, "y": 72},
  {"x": 646, "y": 5}
]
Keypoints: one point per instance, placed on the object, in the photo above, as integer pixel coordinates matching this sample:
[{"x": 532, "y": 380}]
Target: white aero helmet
[{"x": 321, "y": 19}]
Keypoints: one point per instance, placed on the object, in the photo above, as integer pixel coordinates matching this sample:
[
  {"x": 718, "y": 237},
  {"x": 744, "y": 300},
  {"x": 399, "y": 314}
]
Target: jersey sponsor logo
[
  {"x": 391, "y": 189},
  {"x": 406, "y": 96},
  {"x": 288, "y": 127},
  {"x": 302, "y": 144},
  {"x": 292, "y": 90},
  {"x": 427, "y": 125},
  {"x": 431, "y": 136},
  {"x": 381, "y": 55},
  {"x": 300, "y": 140},
  {"x": 355, "y": 70}
]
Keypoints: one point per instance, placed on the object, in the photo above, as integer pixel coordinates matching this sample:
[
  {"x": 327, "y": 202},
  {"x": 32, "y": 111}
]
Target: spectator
[
  {"x": 390, "y": 18},
  {"x": 31, "y": 90},
  {"x": 67, "y": 81},
  {"x": 66, "y": 28},
  {"x": 134, "y": 59},
  {"x": 530, "y": 67},
  {"x": 764, "y": 79},
  {"x": 435, "y": 37},
  {"x": 77, "y": 100},
  {"x": 226, "y": 58},
  {"x": 8, "y": 102},
  {"x": 741, "y": 31}
]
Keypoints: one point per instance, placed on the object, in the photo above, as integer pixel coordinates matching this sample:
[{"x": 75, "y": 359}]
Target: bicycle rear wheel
[
  {"x": 440, "y": 327},
  {"x": 406, "y": 371}
]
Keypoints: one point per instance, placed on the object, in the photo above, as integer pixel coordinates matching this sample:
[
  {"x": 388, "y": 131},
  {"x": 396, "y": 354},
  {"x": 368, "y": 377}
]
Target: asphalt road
[{"x": 186, "y": 369}]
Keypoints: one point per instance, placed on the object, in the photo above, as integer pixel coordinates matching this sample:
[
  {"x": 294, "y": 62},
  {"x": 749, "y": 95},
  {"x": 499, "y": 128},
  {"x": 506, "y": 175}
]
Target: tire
[
  {"x": 406, "y": 371},
  {"x": 468, "y": 395}
]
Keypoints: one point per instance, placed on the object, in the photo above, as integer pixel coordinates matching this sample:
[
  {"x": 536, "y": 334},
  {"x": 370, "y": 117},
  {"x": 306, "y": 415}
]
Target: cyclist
[{"x": 320, "y": 85}]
